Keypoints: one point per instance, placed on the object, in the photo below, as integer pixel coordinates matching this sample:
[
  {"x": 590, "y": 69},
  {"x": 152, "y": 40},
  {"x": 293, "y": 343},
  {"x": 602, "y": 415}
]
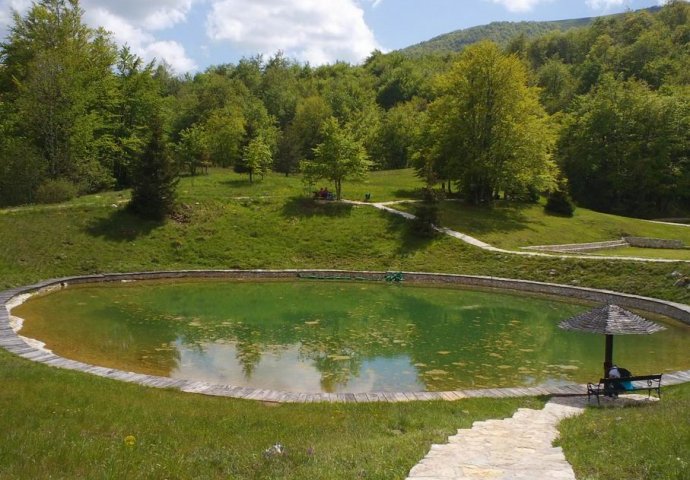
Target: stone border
[{"x": 14, "y": 343}]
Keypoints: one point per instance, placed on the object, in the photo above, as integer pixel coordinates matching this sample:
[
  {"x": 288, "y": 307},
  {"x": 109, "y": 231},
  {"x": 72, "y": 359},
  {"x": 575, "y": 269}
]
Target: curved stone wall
[{"x": 16, "y": 344}]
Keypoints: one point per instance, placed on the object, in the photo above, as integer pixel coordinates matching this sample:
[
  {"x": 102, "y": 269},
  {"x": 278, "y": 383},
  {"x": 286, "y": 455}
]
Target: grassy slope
[
  {"x": 599, "y": 444},
  {"x": 511, "y": 226},
  {"x": 646, "y": 253},
  {"x": 61, "y": 424},
  {"x": 70, "y": 425}
]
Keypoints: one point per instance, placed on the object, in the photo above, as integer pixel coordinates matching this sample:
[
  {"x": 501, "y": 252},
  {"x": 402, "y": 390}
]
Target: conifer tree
[{"x": 154, "y": 178}]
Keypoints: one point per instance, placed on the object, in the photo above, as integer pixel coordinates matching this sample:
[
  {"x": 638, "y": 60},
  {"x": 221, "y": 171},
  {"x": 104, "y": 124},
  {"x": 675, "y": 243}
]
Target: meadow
[{"x": 62, "y": 424}]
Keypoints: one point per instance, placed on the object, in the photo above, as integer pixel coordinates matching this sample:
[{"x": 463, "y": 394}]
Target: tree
[
  {"x": 279, "y": 88},
  {"x": 137, "y": 100},
  {"x": 396, "y": 138},
  {"x": 258, "y": 157},
  {"x": 557, "y": 85},
  {"x": 303, "y": 133},
  {"x": 57, "y": 74},
  {"x": 338, "y": 158},
  {"x": 21, "y": 167},
  {"x": 154, "y": 178},
  {"x": 489, "y": 131},
  {"x": 225, "y": 130},
  {"x": 192, "y": 149},
  {"x": 625, "y": 149}
]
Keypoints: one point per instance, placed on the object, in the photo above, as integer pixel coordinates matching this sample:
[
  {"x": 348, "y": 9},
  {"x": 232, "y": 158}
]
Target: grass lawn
[
  {"x": 511, "y": 226},
  {"x": 61, "y": 424},
  {"x": 72, "y": 425},
  {"x": 645, "y": 253},
  {"x": 645, "y": 442}
]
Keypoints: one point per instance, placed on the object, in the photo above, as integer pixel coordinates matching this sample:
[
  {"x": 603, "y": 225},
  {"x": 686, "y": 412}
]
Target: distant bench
[{"x": 612, "y": 386}]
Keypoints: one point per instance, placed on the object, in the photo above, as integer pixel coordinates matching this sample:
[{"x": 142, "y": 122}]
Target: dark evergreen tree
[
  {"x": 427, "y": 214},
  {"x": 154, "y": 178}
]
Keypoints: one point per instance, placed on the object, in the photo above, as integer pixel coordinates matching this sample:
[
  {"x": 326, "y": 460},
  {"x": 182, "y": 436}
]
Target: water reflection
[
  {"x": 216, "y": 363},
  {"x": 334, "y": 337}
]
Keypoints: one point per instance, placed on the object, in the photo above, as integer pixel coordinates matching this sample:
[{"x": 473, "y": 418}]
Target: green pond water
[{"x": 317, "y": 336}]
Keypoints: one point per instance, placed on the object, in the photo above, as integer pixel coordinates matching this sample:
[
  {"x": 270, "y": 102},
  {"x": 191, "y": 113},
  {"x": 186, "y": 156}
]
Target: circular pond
[{"x": 317, "y": 336}]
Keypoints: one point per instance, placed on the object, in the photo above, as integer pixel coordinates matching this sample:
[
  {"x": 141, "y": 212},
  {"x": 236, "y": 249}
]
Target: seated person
[
  {"x": 625, "y": 373},
  {"x": 617, "y": 373}
]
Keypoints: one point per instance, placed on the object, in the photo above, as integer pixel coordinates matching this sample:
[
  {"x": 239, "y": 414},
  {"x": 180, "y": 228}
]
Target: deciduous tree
[
  {"x": 489, "y": 131},
  {"x": 338, "y": 158}
]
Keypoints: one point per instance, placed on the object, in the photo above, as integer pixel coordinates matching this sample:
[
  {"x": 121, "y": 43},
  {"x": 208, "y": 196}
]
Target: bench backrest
[{"x": 631, "y": 379}]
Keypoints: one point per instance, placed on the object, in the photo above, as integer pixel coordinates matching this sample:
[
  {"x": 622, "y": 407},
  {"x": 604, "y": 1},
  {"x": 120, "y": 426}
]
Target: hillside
[{"x": 499, "y": 32}]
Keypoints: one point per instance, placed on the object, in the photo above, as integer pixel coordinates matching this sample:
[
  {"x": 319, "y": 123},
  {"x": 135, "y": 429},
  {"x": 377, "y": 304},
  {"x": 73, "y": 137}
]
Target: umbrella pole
[{"x": 608, "y": 356}]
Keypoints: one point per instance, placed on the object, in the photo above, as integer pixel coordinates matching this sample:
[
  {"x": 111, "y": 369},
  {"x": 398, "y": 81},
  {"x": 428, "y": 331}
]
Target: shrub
[
  {"x": 55, "y": 191},
  {"x": 427, "y": 214},
  {"x": 559, "y": 203}
]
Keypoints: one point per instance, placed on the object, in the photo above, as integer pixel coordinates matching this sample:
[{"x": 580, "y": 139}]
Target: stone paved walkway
[{"x": 520, "y": 447}]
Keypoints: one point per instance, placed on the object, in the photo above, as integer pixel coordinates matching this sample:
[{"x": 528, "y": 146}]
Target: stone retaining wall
[{"x": 644, "y": 242}]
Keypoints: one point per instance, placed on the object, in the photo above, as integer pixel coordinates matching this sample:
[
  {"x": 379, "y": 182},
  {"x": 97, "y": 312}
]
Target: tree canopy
[
  {"x": 338, "y": 158},
  {"x": 489, "y": 132},
  {"x": 601, "y": 105}
]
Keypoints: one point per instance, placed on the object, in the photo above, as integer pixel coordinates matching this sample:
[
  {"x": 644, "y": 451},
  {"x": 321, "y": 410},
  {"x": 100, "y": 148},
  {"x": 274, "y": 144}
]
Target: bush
[
  {"x": 427, "y": 214},
  {"x": 55, "y": 191},
  {"x": 559, "y": 203}
]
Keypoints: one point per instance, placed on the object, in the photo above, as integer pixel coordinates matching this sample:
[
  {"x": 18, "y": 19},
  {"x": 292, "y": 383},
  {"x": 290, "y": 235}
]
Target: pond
[{"x": 323, "y": 336}]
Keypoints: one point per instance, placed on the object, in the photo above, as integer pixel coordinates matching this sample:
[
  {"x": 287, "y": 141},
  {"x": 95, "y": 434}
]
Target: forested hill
[
  {"x": 499, "y": 32},
  {"x": 601, "y": 112}
]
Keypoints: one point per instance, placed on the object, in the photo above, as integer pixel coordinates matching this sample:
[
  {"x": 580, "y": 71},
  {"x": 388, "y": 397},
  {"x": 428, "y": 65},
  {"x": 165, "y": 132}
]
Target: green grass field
[
  {"x": 645, "y": 442},
  {"x": 69, "y": 425},
  {"x": 645, "y": 253},
  {"x": 511, "y": 226}
]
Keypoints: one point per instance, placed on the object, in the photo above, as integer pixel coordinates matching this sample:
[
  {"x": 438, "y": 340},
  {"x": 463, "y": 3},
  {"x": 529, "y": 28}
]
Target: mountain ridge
[{"x": 500, "y": 32}]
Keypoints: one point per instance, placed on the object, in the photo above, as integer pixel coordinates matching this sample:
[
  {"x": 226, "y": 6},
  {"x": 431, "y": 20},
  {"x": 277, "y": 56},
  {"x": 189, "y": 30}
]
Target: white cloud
[
  {"x": 604, "y": 4},
  {"x": 141, "y": 41},
  {"x": 147, "y": 14},
  {"x": 317, "y": 31},
  {"x": 610, "y": 4},
  {"x": 173, "y": 53},
  {"x": 6, "y": 7},
  {"x": 519, "y": 5},
  {"x": 132, "y": 22}
]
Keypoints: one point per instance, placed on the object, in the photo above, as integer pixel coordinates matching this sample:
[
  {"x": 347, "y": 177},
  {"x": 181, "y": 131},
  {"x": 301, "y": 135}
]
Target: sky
[{"x": 191, "y": 35}]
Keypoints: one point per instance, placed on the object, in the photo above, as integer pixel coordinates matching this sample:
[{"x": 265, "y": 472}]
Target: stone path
[
  {"x": 520, "y": 447},
  {"x": 386, "y": 207}
]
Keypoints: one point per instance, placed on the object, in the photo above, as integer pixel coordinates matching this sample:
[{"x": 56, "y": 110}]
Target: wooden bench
[{"x": 612, "y": 386}]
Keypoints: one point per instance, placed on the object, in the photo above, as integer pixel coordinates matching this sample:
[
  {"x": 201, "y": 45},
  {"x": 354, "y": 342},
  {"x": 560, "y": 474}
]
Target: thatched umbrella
[{"x": 610, "y": 320}]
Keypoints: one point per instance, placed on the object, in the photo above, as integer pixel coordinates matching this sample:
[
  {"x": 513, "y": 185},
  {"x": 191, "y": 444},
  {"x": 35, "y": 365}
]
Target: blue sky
[{"x": 190, "y": 35}]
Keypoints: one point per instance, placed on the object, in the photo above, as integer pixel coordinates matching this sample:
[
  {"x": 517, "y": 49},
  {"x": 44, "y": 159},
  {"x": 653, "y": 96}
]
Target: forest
[{"x": 601, "y": 113}]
